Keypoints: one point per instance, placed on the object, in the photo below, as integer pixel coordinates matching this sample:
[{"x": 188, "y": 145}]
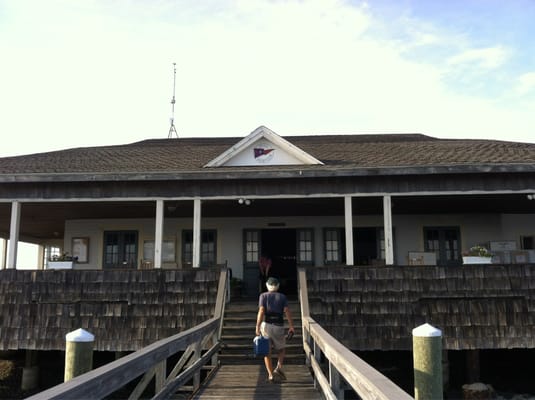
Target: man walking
[{"x": 272, "y": 306}]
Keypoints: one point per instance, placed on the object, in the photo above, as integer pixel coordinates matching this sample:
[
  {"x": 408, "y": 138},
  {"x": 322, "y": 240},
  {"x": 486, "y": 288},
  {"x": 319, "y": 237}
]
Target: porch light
[
  {"x": 531, "y": 196},
  {"x": 247, "y": 202}
]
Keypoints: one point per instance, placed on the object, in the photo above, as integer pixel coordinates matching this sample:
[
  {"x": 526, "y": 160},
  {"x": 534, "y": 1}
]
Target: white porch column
[
  {"x": 13, "y": 235},
  {"x": 389, "y": 244},
  {"x": 348, "y": 210},
  {"x": 196, "y": 262},
  {"x": 40, "y": 256},
  {"x": 158, "y": 235},
  {"x": 3, "y": 261}
]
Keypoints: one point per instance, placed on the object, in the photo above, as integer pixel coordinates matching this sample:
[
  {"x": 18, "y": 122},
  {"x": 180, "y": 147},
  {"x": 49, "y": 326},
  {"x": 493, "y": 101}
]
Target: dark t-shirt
[{"x": 274, "y": 304}]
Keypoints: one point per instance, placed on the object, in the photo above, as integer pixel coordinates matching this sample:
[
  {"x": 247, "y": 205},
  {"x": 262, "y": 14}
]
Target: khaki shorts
[{"x": 276, "y": 335}]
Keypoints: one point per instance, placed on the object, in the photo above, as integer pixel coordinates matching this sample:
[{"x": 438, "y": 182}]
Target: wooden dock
[{"x": 249, "y": 382}]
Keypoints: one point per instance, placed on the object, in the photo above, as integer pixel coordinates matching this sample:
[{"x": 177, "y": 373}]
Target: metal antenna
[{"x": 172, "y": 129}]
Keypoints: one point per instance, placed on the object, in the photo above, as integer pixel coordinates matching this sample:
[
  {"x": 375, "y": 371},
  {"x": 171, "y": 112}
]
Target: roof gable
[{"x": 263, "y": 147}]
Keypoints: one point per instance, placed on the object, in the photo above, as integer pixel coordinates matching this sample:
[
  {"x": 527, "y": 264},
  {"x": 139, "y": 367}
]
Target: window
[
  {"x": 444, "y": 241},
  {"x": 50, "y": 253},
  {"x": 168, "y": 251},
  {"x": 333, "y": 245},
  {"x": 208, "y": 247},
  {"x": 527, "y": 242},
  {"x": 305, "y": 240},
  {"x": 120, "y": 249},
  {"x": 252, "y": 246},
  {"x": 381, "y": 243}
]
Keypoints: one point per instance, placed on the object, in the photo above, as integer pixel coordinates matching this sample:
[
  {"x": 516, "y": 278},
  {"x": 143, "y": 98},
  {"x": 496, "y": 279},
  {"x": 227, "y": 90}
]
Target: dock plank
[{"x": 249, "y": 382}]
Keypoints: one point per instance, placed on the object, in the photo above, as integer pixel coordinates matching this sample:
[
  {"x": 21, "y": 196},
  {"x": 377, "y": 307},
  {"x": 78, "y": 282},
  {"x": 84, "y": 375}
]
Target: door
[
  {"x": 280, "y": 246},
  {"x": 369, "y": 246},
  {"x": 120, "y": 249},
  {"x": 445, "y": 242},
  {"x": 251, "y": 255}
]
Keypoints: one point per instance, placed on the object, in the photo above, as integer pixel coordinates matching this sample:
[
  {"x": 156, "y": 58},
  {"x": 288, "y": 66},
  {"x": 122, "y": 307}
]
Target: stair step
[
  {"x": 249, "y": 345},
  {"x": 239, "y": 324},
  {"x": 251, "y": 359}
]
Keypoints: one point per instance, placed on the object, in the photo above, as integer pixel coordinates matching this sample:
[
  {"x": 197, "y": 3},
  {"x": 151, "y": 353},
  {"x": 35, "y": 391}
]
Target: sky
[{"x": 100, "y": 72}]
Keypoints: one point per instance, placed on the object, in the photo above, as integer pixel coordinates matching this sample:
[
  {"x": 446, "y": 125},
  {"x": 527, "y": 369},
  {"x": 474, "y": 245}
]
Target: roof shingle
[{"x": 335, "y": 151}]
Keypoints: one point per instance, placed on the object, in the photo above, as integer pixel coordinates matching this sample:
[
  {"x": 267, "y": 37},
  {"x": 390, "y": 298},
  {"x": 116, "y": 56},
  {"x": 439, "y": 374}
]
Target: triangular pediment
[{"x": 263, "y": 147}]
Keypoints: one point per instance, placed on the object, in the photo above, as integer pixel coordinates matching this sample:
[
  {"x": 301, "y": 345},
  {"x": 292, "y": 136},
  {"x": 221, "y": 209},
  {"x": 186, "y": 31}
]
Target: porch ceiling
[{"x": 47, "y": 220}]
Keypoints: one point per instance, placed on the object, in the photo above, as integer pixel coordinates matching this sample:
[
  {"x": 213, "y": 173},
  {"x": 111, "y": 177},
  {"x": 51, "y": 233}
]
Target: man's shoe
[{"x": 280, "y": 373}]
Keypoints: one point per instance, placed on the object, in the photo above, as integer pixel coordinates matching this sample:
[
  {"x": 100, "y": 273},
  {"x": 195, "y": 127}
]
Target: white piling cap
[
  {"x": 79, "y": 335},
  {"x": 426, "y": 330}
]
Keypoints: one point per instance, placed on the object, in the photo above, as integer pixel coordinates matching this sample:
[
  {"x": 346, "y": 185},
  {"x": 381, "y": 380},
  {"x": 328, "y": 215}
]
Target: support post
[
  {"x": 158, "y": 235},
  {"x": 196, "y": 355},
  {"x": 196, "y": 262},
  {"x": 78, "y": 353},
  {"x": 389, "y": 243},
  {"x": 30, "y": 372},
  {"x": 3, "y": 261},
  {"x": 159, "y": 378},
  {"x": 473, "y": 366},
  {"x": 336, "y": 382},
  {"x": 41, "y": 257},
  {"x": 14, "y": 235},
  {"x": 316, "y": 350},
  {"x": 427, "y": 355},
  {"x": 348, "y": 211}
]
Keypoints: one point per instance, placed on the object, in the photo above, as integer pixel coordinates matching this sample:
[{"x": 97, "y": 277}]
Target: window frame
[
  {"x": 310, "y": 250},
  {"x": 441, "y": 252},
  {"x": 121, "y": 249},
  {"x": 187, "y": 247},
  {"x": 341, "y": 246}
]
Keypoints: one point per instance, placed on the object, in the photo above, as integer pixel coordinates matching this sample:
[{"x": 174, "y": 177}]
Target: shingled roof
[{"x": 335, "y": 151}]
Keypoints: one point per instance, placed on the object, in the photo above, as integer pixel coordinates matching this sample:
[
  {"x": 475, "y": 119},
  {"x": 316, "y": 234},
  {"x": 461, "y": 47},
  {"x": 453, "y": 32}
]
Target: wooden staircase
[{"x": 239, "y": 330}]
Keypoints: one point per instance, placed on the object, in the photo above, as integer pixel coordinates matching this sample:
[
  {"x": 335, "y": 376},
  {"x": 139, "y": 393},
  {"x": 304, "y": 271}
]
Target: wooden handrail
[
  {"x": 100, "y": 382},
  {"x": 366, "y": 381}
]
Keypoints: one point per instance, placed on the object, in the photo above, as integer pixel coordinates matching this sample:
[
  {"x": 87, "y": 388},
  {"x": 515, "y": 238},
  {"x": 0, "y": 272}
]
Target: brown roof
[{"x": 335, "y": 151}]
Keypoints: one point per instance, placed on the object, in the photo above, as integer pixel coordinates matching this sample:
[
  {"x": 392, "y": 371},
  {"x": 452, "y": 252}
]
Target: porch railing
[
  {"x": 341, "y": 364},
  {"x": 199, "y": 344}
]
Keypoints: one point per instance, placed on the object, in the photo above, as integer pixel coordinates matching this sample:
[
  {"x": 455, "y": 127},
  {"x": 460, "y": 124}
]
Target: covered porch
[{"x": 384, "y": 229}]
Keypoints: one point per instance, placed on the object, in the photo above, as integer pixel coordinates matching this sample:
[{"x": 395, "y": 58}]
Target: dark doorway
[
  {"x": 280, "y": 246},
  {"x": 365, "y": 243}
]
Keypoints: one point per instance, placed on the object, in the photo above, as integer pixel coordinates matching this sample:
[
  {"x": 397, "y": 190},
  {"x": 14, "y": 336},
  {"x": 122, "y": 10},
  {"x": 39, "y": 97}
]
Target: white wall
[{"x": 408, "y": 232}]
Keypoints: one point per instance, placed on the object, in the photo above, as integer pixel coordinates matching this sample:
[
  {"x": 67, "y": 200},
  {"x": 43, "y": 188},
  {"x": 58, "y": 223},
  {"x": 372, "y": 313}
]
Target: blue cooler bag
[{"x": 261, "y": 346}]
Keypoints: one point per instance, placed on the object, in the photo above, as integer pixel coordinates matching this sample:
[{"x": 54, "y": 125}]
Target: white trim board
[{"x": 272, "y": 150}]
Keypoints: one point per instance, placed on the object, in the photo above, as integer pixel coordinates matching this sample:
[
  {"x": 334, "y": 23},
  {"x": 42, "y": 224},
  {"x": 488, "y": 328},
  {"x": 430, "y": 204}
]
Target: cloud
[
  {"x": 102, "y": 74},
  {"x": 525, "y": 83},
  {"x": 487, "y": 58}
]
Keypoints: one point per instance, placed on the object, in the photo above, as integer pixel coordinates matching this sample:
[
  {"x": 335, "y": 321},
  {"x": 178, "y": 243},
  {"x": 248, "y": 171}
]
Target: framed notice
[
  {"x": 80, "y": 249},
  {"x": 502, "y": 245}
]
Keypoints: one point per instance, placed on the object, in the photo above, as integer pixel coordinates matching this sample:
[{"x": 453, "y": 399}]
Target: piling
[
  {"x": 78, "y": 353},
  {"x": 427, "y": 355}
]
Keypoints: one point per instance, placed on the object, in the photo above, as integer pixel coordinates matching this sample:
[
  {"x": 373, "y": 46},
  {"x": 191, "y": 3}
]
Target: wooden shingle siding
[
  {"x": 125, "y": 309},
  {"x": 476, "y": 307}
]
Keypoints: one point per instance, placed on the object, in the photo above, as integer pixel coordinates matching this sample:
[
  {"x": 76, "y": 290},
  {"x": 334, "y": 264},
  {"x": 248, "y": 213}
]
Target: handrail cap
[
  {"x": 426, "y": 330},
  {"x": 79, "y": 335}
]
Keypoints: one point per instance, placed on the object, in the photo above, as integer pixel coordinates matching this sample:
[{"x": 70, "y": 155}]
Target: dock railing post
[
  {"x": 427, "y": 355},
  {"x": 78, "y": 353}
]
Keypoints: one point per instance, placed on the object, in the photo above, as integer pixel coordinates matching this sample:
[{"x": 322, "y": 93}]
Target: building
[
  {"x": 380, "y": 201},
  {"x": 178, "y": 203}
]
